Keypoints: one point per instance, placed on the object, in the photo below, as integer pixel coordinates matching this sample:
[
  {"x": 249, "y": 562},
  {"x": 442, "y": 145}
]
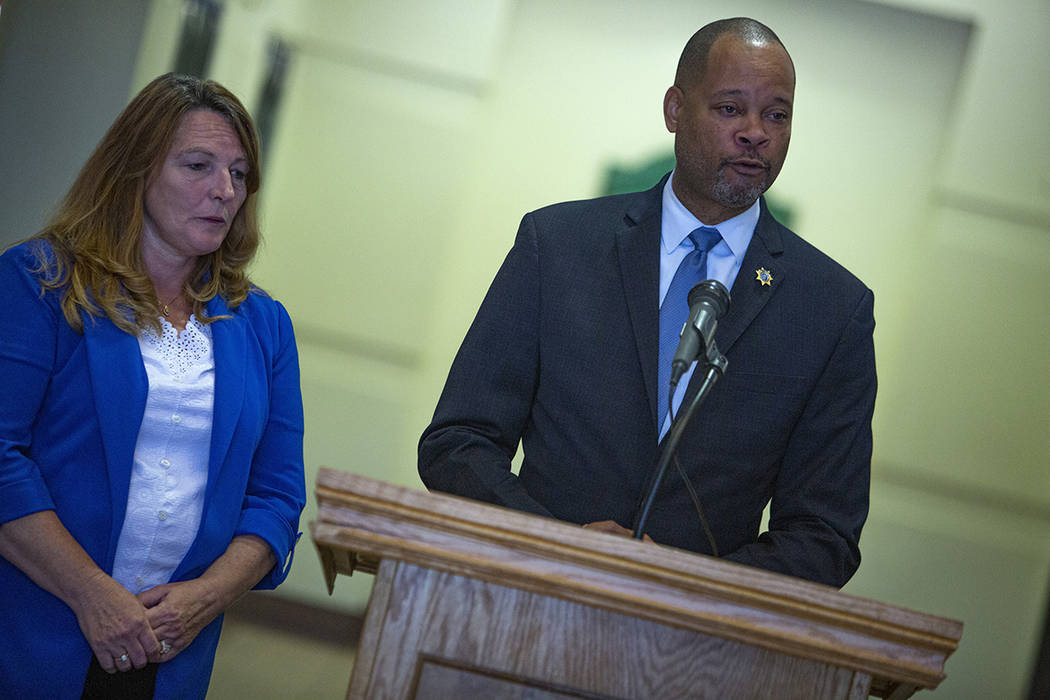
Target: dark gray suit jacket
[{"x": 563, "y": 357}]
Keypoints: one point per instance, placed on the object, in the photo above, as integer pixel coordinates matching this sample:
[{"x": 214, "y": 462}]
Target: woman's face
[{"x": 192, "y": 199}]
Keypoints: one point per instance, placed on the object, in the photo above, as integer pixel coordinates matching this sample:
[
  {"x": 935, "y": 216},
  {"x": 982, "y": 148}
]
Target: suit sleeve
[
  {"x": 484, "y": 408},
  {"x": 276, "y": 489},
  {"x": 820, "y": 500},
  {"x": 28, "y": 336}
]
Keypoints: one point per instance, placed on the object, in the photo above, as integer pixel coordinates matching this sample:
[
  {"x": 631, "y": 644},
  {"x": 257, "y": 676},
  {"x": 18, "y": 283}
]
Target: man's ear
[{"x": 672, "y": 104}]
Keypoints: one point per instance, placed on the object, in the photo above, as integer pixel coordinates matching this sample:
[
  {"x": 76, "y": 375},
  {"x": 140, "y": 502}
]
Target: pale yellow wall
[{"x": 413, "y": 139}]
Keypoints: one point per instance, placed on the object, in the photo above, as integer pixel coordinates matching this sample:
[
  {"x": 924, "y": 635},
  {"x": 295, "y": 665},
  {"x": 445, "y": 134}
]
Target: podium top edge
[{"x": 485, "y": 520}]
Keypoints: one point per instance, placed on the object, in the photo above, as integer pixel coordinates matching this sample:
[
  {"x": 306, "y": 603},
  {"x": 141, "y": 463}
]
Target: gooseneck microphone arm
[
  {"x": 715, "y": 369},
  {"x": 708, "y": 302}
]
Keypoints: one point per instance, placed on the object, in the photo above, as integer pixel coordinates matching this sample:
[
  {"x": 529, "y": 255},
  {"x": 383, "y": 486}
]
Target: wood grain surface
[{"x": 493, "y": 564}]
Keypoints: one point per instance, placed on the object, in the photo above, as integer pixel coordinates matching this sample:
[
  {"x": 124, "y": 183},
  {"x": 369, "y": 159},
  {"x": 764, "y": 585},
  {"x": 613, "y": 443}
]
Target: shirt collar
[{"x": 677, "y": 223}]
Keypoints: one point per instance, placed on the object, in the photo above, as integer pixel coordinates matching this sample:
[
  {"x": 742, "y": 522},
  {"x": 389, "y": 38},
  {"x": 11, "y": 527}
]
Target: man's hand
[{"x": 615, "y": 528}]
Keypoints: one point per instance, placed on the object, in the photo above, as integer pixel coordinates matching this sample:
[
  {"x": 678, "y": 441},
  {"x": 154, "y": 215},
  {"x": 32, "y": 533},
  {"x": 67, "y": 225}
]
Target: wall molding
[
  {"x": 973, "y": 494},
  {"x": 1031, "y": 216}
]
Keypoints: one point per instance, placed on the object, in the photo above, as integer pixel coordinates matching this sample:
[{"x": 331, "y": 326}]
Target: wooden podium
[{"x": 475, "y": 601}]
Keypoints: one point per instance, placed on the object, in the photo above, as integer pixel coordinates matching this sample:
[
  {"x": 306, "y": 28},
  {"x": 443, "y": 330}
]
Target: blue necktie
[{"x": 675, "y": 309}]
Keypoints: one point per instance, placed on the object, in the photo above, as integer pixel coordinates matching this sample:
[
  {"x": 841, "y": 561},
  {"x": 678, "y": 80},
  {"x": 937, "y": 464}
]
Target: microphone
[{"x": 708, "y": 302}]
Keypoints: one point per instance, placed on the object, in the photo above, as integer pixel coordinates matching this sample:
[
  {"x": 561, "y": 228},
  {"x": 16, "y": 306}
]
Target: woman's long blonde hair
[{"x": 95, "y": 237}]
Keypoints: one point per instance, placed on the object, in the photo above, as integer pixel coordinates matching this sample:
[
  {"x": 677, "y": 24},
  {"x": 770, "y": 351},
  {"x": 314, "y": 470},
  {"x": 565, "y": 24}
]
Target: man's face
[{"x": 732, "y": 128}]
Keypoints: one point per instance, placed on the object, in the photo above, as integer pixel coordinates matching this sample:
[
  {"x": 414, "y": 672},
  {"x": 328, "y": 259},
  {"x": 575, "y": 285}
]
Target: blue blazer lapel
[
  {"x": 638, "y": 245},
  {"x": 119, "y": 387},
  {"x": 229, "y": 343}
]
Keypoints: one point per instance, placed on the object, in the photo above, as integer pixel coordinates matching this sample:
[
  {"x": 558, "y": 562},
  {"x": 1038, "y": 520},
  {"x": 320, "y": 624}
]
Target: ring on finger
[
  {"x": 124, "y": 658},
  {"x": 165, "y": 646}
]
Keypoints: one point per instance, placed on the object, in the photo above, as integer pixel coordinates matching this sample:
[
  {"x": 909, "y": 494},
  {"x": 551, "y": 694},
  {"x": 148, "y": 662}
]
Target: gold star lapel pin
[{"x": 764, "y": 276}]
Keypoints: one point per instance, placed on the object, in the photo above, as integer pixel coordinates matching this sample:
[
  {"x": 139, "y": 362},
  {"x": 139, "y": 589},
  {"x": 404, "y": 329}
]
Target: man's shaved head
[{"x": 693, "y": 63}]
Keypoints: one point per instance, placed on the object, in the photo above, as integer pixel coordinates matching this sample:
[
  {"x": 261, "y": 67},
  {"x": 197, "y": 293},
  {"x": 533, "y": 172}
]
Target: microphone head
[{"x": 713, "y": 293}]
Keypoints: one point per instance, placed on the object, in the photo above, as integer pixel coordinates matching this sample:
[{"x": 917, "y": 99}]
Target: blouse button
[
  {"x": 165, "y": 462},
  {"x": 162, "y": 515},
  {"x": 176, "y": 418}
]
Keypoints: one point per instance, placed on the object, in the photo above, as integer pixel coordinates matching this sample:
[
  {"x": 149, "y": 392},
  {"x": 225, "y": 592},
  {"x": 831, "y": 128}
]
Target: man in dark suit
[{"x": 563, "y": 354}]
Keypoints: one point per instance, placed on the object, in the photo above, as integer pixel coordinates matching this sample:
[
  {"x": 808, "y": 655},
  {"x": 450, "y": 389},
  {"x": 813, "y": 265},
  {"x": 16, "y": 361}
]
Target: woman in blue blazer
[{"x": 151, "y": 423}]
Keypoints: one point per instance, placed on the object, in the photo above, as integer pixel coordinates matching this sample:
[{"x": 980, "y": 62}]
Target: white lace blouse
[{"x": 170, "y": 472}]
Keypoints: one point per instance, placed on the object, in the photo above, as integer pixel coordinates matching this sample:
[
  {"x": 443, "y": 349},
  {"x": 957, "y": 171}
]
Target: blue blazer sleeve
[
  {"x": 276, "y": 489},
  {"x": 256, "y": 484},
  {"x": 28, "y": 348}
]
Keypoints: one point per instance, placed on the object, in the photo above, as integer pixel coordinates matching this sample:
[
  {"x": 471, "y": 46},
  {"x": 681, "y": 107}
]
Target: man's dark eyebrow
[{"x": 735, "y": 92}]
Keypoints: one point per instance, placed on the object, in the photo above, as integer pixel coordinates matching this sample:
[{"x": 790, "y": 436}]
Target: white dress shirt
[{"x": 170, "y": 472}]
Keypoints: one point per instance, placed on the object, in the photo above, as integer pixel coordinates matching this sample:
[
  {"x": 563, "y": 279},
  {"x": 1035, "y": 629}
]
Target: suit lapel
[
  {"x": 229, "y": 343},
  {"x": 638, "y": 246},
  {"x": 119, "y": 387},
  {"x": 748, "y": 294}
]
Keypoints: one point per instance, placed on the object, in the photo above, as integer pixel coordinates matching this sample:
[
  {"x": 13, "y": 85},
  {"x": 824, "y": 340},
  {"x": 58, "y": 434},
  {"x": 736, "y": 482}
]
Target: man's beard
[{"x": 737, "y": 196}]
